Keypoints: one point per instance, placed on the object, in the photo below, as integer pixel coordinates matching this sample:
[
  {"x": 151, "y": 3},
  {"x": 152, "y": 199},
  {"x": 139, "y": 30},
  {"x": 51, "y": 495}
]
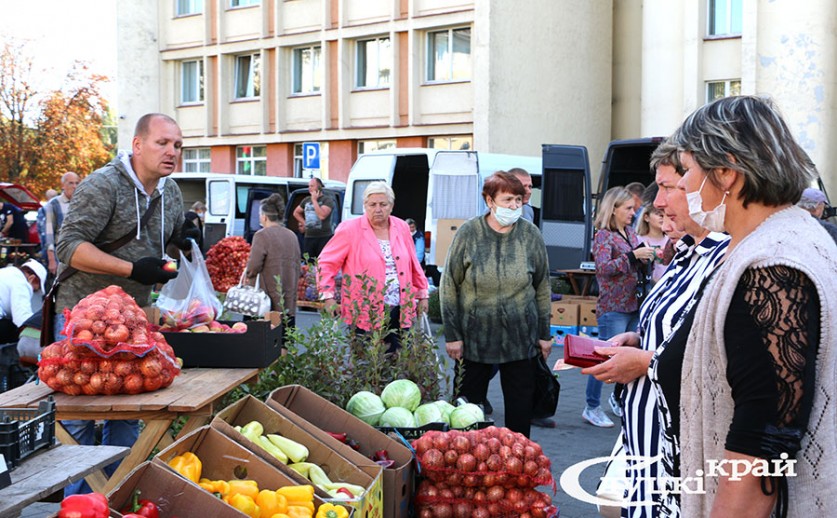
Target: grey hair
[
  {"x": 613, "y": 198},
  {"x": 379, "y": 187},
  {"x": 667, "y": 154},
  {"x": 747, "y": 134}
]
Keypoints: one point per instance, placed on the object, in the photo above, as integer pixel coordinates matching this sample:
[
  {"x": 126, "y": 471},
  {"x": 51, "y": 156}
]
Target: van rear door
[
  {"x": 566, "y": 218},
  {"x": 454, "y": 193},
  {"x": 220, "y": 210}
]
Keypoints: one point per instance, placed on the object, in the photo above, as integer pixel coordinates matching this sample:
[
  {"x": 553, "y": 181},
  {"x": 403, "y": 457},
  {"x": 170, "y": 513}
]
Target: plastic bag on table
[{"x": 189, "y": 300}]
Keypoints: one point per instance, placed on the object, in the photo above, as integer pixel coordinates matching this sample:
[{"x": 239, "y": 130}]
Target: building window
[
  {"x": 247, "y": 76},
  {"x": 298, "y": 161},
  {"x": 374, "y": 63},
  {"x": 449, "y": 55},
  {"x": 186, "y": 7},
  {"x": 724, "y": 17},
  {"x": 244, "y": 3},
  {"x": 452, "y": 143},
  {"x": 196, "y": 160},
  {"x": 718, "y": 89},
  {"x": 367, "y": 146},
  {"x": 251, "y": 160},
  {"x": 307, "y": 75},
  {"x": 191, "y": 81}
]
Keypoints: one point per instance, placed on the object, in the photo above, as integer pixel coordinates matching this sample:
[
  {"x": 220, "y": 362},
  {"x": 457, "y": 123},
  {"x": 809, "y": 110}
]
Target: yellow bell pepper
[
  {"x": 296, "y": 511},
  {"x": 244, "y": 487},
  {"x": 270, "y": 503},
  {"x": 216, "y": 487},
  {"x": 329, "y": 510},
  {"x": 280, "y": 515},
  {"x": 245, "y": 504},
  {"x": 298, "y": 495},
  {"x": 189, "y": 465}
]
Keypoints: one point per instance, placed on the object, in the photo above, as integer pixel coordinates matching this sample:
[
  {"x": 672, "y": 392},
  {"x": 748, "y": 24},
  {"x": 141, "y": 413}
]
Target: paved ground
[{"x": 571, "y": 442}]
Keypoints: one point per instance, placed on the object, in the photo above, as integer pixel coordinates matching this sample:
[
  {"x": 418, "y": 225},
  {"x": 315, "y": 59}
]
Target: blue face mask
[{"x": 507, "y": 217}]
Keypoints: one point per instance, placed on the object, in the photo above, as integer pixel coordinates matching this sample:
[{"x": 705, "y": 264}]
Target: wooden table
[
  {"x": 586, "y": 276},
  {"x": 193, "y": 394},
  {"x": 13, "y": 257},
  {"x": 46, "y": 472}
]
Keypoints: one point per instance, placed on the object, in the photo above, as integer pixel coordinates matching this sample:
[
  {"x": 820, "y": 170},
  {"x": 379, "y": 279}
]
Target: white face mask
[
  {"x": 712, "y": 220},
  {"x": 507, "y": 217}
]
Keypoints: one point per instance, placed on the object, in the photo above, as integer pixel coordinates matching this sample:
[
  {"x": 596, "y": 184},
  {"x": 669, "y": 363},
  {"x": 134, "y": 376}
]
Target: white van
[
  {"x": 431, "y": 184},
  {"x": 231, "y": 208}
]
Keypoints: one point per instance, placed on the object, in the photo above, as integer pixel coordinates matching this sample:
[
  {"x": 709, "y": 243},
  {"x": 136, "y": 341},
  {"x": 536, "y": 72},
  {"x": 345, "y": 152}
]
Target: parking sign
[{"x": 311, "y": 155}]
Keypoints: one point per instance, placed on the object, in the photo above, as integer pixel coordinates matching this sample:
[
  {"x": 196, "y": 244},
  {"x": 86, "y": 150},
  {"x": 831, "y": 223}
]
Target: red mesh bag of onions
[
  {"x": 110, "y": 349},
  {"x": 483, "y": 458},
  {"x": 440, "y": 500}
]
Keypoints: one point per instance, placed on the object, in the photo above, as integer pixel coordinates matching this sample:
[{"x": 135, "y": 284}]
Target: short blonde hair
[
  {"x": 613, "y": 198},
  {"x": 379, "y": 187}
]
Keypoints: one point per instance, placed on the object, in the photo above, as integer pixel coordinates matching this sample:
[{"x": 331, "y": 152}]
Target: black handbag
[{"x": 547, "y": 389}]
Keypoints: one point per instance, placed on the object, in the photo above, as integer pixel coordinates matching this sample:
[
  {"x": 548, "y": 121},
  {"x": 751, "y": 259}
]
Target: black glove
[
  {"x": 188, "y": 232},
  {"x": 149, "y": 271}
]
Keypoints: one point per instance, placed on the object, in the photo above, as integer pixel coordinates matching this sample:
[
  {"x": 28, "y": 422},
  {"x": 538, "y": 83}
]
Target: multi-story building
[{"x": 250, "y": 80}]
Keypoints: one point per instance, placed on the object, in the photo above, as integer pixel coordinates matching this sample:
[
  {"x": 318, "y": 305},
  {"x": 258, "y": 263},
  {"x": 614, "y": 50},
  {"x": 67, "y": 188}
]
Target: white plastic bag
[
  {"x": 249, "y": 301},
  {"x": 189, "y": 300}
]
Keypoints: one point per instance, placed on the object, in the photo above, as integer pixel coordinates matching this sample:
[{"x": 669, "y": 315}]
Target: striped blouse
[{"x": 658, "y": 316}]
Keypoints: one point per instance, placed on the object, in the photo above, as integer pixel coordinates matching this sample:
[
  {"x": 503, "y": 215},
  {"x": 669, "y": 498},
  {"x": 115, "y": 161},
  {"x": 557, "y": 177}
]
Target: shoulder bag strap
[{"x": 69, "y": 271}]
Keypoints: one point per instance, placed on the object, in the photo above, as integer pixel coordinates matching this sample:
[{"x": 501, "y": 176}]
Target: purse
[
  {"x": 578, "y": 351},
  {"x": 249, "y": 301},
  {"x": 547, "y": 389}
]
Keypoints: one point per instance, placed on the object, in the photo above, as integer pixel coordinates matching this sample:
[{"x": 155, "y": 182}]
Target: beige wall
[
  {"x": 627, "y": 68},
  {"x": 542, "y": 79}
]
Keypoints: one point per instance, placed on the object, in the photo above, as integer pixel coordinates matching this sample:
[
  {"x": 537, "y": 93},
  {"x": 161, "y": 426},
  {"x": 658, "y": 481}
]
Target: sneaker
[
  {"x": 487, "y": 409},
  {"x": 544, "y": 422},
  {"x": 596, "y": 417},
  {"x": 615, "y": 407}
]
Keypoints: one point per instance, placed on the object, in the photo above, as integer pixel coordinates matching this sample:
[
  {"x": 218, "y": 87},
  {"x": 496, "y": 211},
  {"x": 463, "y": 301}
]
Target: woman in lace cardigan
[{"x": 754, "y": 384}]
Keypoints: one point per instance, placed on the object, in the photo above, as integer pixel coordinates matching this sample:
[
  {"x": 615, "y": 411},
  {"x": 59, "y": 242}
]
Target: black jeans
[
  {"x": 392, "y": 338},
  {"x": 314, "y": 245},
  {"x": 517, "y": 381}
]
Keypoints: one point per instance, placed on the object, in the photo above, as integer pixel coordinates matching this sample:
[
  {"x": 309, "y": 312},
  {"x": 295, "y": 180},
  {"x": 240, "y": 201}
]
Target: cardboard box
[
  {"x": 564, "y": 313},
  {"x": 257, "y": 348},
  {"x": 337, "y": 467},
  {"x": 445, "y": 229},
  {"x": 587, "y": 313},
  {"x": 315, "y": 414},
  {"x": 175, "y": 495},
  {"x": 560, "y": 332},
  {"x": 221, "y": 456}
]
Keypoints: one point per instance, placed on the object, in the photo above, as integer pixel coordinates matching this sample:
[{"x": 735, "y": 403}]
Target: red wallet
[{"x": 578, "y": 351}]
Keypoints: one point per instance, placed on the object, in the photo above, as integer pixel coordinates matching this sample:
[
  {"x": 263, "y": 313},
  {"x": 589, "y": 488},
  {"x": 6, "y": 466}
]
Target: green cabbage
[
  {"x": 401, "y": 393},
  {"x": 466, "y": 415},
  {"x": 446, "y": 409},
  {"x": 366, "y": 406},
  {"x": 428, "y": 413},
  {"x": 397, "y": 417}
]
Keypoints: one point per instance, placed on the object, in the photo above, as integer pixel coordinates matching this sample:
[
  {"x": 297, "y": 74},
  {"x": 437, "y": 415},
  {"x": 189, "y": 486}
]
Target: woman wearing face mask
[
  {"x": 751, "y": 370},
  {"x": 495, "y": 297},
  {"x": 619, "y": 260}
]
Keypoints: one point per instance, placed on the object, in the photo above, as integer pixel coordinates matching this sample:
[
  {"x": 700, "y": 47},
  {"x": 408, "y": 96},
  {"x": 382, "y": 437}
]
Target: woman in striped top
[{"x": 697, "y": 255}]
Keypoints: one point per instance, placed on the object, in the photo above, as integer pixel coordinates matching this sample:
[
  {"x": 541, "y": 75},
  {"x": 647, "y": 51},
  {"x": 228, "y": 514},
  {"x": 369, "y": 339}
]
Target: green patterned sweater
[{"x": 495, "y": 291}]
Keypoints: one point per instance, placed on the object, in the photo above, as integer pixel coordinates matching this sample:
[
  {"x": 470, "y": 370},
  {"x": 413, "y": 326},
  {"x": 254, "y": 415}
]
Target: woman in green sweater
[{"x": 495, "y": 297}]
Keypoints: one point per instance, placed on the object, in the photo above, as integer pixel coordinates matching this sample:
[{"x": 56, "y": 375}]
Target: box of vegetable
[
  {"x": 257, "y": 347},
  {"x": 303, "y": 457}
]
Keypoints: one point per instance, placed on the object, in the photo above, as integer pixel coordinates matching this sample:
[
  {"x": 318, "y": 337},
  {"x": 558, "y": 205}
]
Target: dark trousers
[
  {"x": 9, "y": 332},
  {"x": 517, "y": 381},
  {"x": 392, "y": 338},
  {"x": 314, "y": 245}
]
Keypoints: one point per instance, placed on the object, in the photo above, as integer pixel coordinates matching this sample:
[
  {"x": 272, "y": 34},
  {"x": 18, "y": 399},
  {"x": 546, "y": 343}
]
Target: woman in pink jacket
[{"x": 381, "y": 273}]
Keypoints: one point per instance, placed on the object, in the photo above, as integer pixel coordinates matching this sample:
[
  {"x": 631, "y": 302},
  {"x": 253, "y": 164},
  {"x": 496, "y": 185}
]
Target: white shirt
[{"x": 15, "y": 295}]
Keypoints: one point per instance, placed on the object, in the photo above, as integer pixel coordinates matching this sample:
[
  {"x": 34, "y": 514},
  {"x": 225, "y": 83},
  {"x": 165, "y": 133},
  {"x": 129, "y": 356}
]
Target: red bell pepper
[
  {"x": 142, "y": 508},
  {"x": 92, "y": 505}
]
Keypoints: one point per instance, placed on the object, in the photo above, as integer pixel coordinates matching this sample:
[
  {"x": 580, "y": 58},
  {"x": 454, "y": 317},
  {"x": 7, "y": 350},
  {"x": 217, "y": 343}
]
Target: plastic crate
[
  {"x": 23, "y": 431},
  {"x": 412, "y": 434},
  {"x": 479, "y": 425}
]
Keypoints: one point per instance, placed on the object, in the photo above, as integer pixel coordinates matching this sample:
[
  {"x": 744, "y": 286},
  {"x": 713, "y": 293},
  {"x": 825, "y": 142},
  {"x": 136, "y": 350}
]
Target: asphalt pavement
[{"x": 571, "y": 442}]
